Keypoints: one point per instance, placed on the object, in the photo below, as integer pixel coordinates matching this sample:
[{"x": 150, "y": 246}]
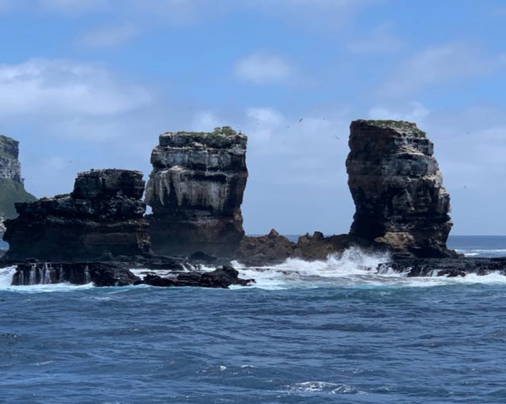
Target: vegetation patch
[{"x": 10, "y": 193}]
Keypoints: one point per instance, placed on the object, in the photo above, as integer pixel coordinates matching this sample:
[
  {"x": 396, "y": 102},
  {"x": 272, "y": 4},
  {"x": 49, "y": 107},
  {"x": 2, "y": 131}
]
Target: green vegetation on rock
[
  {"x": 219, "y": 131},
  {"x": 10, "y": 193},
  {"x": 403, "y": 126}
]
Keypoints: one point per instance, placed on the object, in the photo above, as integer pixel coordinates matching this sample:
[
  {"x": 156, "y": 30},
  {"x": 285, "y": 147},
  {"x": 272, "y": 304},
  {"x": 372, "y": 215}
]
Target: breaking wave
[{"x": 354, "y": 268}]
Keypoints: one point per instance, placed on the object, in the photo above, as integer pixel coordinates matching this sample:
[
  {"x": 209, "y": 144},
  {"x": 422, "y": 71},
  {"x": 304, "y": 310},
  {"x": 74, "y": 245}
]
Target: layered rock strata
[
  {"x": 196, "y": 190},
  {"x": 11, "y": 183},
  {"x": 102, "y": 216},
  {"x": 398, "y": 189}
]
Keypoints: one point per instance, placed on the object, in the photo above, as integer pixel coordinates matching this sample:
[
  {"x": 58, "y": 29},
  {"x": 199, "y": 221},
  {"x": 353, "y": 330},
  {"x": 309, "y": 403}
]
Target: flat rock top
[
  {"x": 108, "y": 182},
  {"x": 400, "y": 127},
  {"x": 220, "y": 138}
]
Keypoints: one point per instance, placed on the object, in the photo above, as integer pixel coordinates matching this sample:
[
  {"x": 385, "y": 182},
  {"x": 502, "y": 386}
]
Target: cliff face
[
  {"x": 196, "y": 190},
  {"x": 11, "y": 183},
  {"x": 103, "y": 215},
  {"x": 397, "y": 188}
]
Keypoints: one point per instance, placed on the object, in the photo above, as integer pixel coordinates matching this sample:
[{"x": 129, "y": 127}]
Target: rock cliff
[
  {"x": 398, "y": 189},
  {"x": 102, "y": 216},
  {"x": 196, "y": 190},
  {"x": 11, "y": 183}
]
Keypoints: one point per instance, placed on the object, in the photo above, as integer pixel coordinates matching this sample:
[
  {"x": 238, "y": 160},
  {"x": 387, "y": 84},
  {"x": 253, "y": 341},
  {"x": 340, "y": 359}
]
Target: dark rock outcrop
[
  {"x": 11, "y": 183},
  {"x": 274, "y": 248},
  {"x": 195, "y": 191},
  {"x": 449, "y": 267},
  {"x": 398, "y": 189},
  {"x": 270, "y": 249},
  {"x": 103, "y": 215},
  {"x": 101, "y": 274},
  {"x": 221, "y": 277},
  {"x": 118, "y": 274}
]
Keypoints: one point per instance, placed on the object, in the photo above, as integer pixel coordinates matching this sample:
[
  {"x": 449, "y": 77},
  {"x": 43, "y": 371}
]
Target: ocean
[{"x": 321, "y": 332}]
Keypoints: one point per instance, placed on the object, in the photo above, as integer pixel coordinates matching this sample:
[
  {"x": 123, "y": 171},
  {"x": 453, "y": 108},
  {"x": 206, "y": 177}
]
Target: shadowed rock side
[
  {"x": 102, "y": 216},
  {"x": 398, "y": 189},
  {"x": 195, "y": 191},
  {"x": 11, "y": 184}
]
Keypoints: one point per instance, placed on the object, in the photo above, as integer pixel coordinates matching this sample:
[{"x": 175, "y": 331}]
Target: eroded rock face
[
  {"x": 398, "y": 189},
  {"x": 196, "y": 190},
  {"x": 103, "y": 215},
  {"x": 11, "y": 184}
]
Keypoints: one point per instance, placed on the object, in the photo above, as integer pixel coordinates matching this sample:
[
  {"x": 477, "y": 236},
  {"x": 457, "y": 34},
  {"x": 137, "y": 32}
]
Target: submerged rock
[
  {"x": 398, "y": 189},
  {"x": 103, "y": 215},
  {"x": 195, "y": 191}
]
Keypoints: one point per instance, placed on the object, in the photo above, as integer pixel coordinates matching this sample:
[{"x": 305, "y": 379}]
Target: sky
[{"x": 93, "y": 83}]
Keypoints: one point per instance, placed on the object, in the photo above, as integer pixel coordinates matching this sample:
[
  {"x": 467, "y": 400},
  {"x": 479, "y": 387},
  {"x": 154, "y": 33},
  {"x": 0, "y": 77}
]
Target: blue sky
[{"x": 92, "y": 83}]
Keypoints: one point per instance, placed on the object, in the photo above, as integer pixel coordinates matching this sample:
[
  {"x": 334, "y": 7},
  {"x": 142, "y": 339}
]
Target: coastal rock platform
[{"x": 159, "y": 271}]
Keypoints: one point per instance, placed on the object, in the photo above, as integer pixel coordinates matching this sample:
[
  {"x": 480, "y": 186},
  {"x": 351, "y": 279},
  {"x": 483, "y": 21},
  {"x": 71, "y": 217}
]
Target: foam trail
[{"x": 354, "y": 268}]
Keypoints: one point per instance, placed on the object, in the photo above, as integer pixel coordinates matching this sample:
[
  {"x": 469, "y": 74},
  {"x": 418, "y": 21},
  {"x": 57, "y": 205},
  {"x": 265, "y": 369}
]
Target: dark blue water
[
  {"x": 325, "y": 333},
  {"x": 354, "y": 345}
]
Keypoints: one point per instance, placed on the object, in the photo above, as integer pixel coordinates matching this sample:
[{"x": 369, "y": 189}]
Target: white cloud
[
  {"x": 262, "y": 68},
  {"x": 439, "y": 65},
  {"x": 109, "y": 36},
  {"x": 43, "y": 86},
  {"x": 380, "y": 40}
]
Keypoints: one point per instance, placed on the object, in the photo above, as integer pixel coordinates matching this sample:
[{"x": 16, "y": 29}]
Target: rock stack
[
  {"x": 398, "y": 189},
  {"x": 102, "y": 217},
  {"x": 196, "y": 190}
]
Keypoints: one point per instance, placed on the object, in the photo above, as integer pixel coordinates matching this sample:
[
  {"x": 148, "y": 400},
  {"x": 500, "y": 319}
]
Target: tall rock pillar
[
  {"x": 196, "y": 190},
  {"x": 398, "y": 189}
]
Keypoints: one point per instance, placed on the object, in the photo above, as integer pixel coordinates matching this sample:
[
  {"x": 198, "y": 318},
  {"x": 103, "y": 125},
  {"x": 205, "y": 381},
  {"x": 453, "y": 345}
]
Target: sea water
[{"x": 322, "y": 332}]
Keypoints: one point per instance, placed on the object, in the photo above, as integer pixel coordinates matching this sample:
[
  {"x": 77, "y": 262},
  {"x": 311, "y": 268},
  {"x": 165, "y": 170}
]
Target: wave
[
  {"x": 7, "y": 273},
  {"x": 354, "y": 269}
]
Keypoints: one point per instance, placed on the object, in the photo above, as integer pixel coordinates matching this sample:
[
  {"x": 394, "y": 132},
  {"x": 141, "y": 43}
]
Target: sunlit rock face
[
  {"x": 398, "y": 189},
  {"x": 103, "y": 216},
  {"x": 12, "y": 189},
  {"x": 196, "y": 190}
]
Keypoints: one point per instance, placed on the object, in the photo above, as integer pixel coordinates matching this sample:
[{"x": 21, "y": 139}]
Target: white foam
[
  {"x": 324, "y": 387},
  {"x": 354, "y": 268},
  {"x": 7, "y": 273}
]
